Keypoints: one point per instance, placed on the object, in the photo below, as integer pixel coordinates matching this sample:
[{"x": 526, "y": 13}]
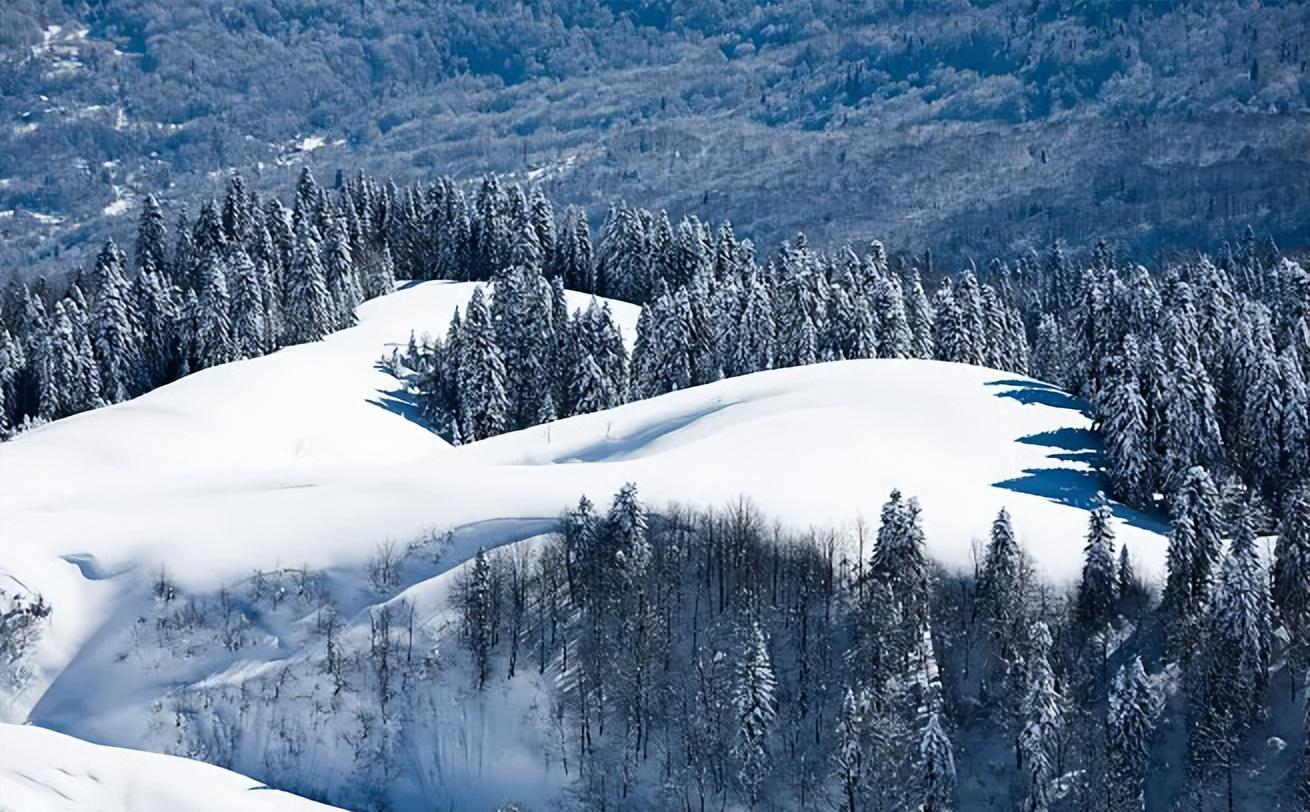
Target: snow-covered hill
[
  {"x": 48, "y": 771},
  {"x": 311, "y": 458}
]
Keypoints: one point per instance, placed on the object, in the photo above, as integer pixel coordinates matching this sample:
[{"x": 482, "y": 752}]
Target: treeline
[
  {"x": 708, "y": 658},
  {"x": 244, "y": 279},
  {"x": 1205, "y": 363},
  {"x": 711, "y": 311},
  {"x": 1200, "y": 362}
]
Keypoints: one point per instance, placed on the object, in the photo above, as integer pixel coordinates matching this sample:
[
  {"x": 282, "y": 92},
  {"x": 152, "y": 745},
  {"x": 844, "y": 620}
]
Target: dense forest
[
  {"x": 975, "y": 127},
  {"x": 761, "y": 666},
  {"x": 707, "y": 659}
]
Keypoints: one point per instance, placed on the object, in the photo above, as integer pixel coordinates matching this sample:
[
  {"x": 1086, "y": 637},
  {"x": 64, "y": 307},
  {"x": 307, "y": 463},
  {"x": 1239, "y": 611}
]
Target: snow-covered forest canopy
[{"x": 686, "y": 657}]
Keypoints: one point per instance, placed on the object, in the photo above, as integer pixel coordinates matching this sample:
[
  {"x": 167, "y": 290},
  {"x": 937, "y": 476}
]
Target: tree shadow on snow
[
  {"x": 1073, "y": 486},
  {"x": 402, "y": 403},
  {"x": 1043, "y": 393}
]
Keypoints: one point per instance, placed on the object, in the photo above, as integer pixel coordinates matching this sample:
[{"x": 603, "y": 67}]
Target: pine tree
[
  {"x": 151, "y": 252},
  {"x": 1291, "y": 576},
  {"x": 627, "y": 530},
  {"x": 481, "y": 615},
  {"x": 1131, "y": 724},
  {"x": 951, "y": 336},
  {"x": 1001, "y": 585},
  {"x": 1041, "y": 720},
  {"x": 113, "y": 336},
  {"x": 755, "y": 707},
  {"x": 919, "y": 317},
  {"x": 894, "y": 331},
  {"x": 1123, "y": 422},
  {"x": 589, "y": 388},
  {"x": 848, "y": 756},
  {"x": 341, "y": 278},
  {"x": 249, "y": 330},
  {"x": 899, "y": 562},
  {"x": 1127, "y": 577},
  {"x": 309, "y": 308},
  {"x": 1097, "y": 592},
  {"x": 1230, "y": 667},
  {"x": 213, "y": 317},
  {"x": 484, "y": 408},
  {"x": 936, "y": 767},
  {"x": 1048, "y": 359}
]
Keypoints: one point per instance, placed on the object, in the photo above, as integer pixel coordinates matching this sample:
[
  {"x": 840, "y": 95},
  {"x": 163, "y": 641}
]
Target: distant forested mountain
[{"x": 976, "y": 128}]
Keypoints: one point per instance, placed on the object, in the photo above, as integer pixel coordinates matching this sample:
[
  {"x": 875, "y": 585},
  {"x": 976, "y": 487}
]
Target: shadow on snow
[{"x": 1073, "y": 486}]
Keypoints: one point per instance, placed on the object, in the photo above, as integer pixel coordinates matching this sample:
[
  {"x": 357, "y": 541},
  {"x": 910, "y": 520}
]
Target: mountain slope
[
  {"x": 308, "y": 456},
  {"x": 310, "y": 459},
  {"x": 972, "y": 128}
]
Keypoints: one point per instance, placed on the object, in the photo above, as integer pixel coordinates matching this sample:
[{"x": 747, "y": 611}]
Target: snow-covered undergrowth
[{"x": 207, "y": 547}]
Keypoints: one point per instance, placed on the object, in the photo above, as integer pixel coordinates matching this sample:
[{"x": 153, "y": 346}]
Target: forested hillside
[{"x": 972, "y": 128}]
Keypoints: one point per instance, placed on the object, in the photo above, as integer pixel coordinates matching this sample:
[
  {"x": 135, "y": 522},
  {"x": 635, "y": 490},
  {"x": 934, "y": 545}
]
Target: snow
[
  {"x": 119, "y": 206},
  {"x": 121, "y": 203},
  {"x": 313, "y": 456},
  {"x": 311, "y": 142},
  {"x": 44, "y": 770}
]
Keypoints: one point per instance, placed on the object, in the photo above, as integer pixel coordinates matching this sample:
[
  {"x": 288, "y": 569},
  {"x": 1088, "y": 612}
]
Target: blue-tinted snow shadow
[
  {"x": 1073, "y": 486},
  {"x": 402, "y": 403},
  {"x": 612, "y": 449},
  {"x": 1039, "y": 392}
]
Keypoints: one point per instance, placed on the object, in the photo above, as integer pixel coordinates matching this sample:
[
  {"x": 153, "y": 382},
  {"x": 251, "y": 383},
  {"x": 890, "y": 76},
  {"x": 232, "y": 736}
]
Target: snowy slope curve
[{"x": 48, "y": 771}]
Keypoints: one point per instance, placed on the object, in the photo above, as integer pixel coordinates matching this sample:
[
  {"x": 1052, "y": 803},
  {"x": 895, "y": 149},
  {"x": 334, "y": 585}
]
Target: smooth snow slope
[
  {"x": 302, "y": 457},
  {"x": 42, "y": 770}
]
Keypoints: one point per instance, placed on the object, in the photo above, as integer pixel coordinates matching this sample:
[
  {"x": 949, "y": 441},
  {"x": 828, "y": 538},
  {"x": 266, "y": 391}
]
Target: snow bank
[{"x": 44, "y": 770}]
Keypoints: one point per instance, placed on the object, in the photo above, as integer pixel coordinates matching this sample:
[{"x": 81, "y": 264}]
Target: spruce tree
[
  {"x": 249, "y": 328},
  {"x": 755, "y": 707},
  {"x": 1291, "y": 576},
  {"x": 484, "y": 408},
  {"x": 1041, "y": 723},
  {"x": 1097, "y": 591},
  {"x": 309, "y": 308},
  {"x": 1131, "y": 725},
  {"x": 919, "y": 317},
  {"x": 213, "y": 316},
  {"x": 936, "y": 767},
  {"x": 112, "y": 332}
]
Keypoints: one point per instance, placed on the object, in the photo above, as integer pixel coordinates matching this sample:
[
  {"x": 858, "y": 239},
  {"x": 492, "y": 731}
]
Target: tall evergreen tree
[
  {"x": 1097, "y": 591},
  {"x": 1131, "y": 726}
]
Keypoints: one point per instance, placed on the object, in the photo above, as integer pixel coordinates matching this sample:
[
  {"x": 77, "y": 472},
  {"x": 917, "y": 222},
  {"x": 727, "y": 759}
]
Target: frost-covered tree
[
  {"x": 1097, "y": 589},
  {"x": 754, "y": 705},
  {"x": 936, "y": 767},
  {"x": 308, "y": 314},
  {"x": 1130, "y": 727},
  {"x": 1291, "y": 575},
  {"x": 249, "y": 328},
  {"x": 484, "y": 405},
  {"x": 114, "y": 339},
  {"x": 1041, "y": 723}
]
